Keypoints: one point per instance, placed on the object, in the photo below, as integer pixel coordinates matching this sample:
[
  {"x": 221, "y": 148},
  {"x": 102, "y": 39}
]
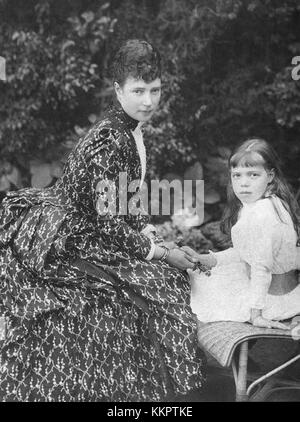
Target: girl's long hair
[{"x": 255, "y": 152}]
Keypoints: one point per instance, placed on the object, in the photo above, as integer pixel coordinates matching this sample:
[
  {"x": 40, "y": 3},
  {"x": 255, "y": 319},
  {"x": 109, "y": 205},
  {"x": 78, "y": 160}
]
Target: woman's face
[
  {"x": 138, "y": 98},
  {"x": 250, "y": 183}
]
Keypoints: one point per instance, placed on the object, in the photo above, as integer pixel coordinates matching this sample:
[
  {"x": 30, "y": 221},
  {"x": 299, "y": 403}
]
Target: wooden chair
[{"x": 228, "y": 343}]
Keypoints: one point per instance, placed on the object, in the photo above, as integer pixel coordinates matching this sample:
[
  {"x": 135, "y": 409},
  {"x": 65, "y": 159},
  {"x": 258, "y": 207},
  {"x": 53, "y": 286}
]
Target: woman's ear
[{"x": 118, "y": 90}]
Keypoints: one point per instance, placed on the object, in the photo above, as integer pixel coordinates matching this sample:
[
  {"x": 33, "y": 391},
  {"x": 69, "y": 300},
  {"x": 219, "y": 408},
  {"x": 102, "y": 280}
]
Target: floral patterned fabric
[{"x": 68, "y": 276}]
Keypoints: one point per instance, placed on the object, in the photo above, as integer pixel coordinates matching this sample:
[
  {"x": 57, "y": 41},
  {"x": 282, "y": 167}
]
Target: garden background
[{"x": 227, "y": 77}]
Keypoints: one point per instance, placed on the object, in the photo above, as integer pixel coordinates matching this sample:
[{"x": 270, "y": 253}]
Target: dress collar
[{"x": 123, "y": 117}]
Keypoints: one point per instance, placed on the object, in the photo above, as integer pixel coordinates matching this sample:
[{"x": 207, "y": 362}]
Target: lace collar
[{"x": 123, "y": 118}]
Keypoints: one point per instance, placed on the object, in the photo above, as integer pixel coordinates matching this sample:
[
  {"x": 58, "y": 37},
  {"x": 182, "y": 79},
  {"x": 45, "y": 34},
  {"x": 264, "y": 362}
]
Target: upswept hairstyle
[
  {"x": 251, "y": 153},
  {"x": 136, "y": 58}
]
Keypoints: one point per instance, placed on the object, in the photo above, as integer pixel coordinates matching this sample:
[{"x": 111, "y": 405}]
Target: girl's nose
[{"x": 244, "y": 181}]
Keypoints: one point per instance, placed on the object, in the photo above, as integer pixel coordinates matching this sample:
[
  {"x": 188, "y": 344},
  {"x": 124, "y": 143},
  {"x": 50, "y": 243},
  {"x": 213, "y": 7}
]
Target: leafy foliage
[
  {"x": 51, "y": 77},
  {"x": 227, "y": 76}
]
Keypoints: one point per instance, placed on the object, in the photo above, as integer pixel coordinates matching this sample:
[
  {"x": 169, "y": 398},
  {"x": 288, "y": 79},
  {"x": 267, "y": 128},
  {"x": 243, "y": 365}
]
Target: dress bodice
[
  {"x": 69, "y": 212},
  {"x": 110, "y": 147}
]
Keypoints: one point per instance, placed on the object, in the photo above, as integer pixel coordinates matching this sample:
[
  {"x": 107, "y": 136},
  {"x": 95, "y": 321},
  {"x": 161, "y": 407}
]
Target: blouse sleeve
[
  {"x": 297, "y": 263},
  {"x": 260, "y": 258},
  {"x": 227, "y": 256},
  {"x": 104, "y": 165}
]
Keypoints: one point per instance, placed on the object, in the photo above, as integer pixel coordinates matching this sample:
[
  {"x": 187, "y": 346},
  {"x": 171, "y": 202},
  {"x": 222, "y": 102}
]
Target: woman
[{"x": 94, "y": 309}]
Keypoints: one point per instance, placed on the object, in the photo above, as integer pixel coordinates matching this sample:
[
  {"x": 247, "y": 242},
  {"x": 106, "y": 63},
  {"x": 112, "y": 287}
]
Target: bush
[
  {"x": 53, "y": 74},
  {"x": 227, "y": 76}
]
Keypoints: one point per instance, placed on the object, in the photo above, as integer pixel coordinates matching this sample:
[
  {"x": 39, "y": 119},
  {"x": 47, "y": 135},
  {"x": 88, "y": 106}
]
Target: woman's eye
[
  {"x": 235, "y": 175},
  {"x": 156, "y": 91},
  {"x": 254, "y": 175},
  {"x": 138, "y": 91}
]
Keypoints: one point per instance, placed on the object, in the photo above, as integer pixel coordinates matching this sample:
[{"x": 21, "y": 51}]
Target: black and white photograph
[{"x": 149, "y": 203}]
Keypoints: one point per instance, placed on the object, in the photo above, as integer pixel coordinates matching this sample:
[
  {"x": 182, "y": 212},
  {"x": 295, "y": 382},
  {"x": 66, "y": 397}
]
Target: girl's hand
[
  {"x": 262, "y": 322},
  {"x": 208, "y": 260},
  {"x": 179, "y": 259}
]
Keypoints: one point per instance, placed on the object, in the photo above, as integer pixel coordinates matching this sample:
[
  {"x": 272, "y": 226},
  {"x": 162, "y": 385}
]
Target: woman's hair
[
  {"x": 136, "y": 58},
  {"x": 251, "y": 153}
]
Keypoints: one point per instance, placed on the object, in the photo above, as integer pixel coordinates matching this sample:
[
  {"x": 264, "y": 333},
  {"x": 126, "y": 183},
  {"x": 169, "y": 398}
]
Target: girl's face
[
  {"x": 250, "y": 183},
  {"x": 138, "y": 98}
]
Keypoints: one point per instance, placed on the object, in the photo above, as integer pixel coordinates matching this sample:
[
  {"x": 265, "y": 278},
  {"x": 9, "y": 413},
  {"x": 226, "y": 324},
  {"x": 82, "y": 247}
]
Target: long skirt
[{"x": 85, "y": 326}]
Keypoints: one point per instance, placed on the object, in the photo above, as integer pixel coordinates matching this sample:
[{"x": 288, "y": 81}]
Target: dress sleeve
[
  {"x": 139, "y": 221},
  {"x": 227, "y": 256},
  {"x": 104, "y": 164},
  {"x": 260, "y": 258}
]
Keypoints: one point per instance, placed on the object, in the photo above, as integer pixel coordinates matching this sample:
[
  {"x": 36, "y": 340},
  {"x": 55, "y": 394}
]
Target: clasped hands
[{"x": 184, "y": 257}]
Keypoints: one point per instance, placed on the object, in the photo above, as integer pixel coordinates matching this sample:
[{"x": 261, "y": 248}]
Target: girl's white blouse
[
  {"x": 264, "y": 243},
  {"x": 265, "y": 238}
]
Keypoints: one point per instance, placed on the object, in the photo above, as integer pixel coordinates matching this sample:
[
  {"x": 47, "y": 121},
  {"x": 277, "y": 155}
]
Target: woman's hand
[
  {"x": 179, "y": 259},
  {"x": 149, "y": 231},
  {"x": 262, "y": 322},
  {"x": 190, "y": 252},
  {"x": 169, "y": 245}
]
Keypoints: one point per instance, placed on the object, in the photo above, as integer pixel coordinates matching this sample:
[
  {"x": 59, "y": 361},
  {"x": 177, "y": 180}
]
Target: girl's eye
[
  {"x": 253, "y": 175},
  {"x": 235, "y": 175}
]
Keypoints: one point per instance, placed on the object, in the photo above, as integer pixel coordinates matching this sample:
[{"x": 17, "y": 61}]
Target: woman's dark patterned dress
[{"x": 68, "y": 274}]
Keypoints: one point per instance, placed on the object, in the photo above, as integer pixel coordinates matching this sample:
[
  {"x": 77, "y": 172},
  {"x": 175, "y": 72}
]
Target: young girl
[{"x": 256, "y": 280}]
